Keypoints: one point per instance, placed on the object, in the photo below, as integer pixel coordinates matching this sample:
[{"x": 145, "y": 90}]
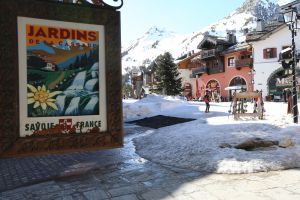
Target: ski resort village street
[{"x": 182, "y": 161}]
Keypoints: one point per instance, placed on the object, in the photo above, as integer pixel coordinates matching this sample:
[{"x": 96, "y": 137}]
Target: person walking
[{"x": 206, "y": 100}]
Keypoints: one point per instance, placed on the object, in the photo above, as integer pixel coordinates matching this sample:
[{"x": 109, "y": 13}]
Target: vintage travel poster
[{"x": 62, "y": 77}]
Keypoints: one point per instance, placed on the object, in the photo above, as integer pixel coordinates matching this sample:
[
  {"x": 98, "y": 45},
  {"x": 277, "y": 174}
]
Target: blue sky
[{"x": 180, "y": 16}]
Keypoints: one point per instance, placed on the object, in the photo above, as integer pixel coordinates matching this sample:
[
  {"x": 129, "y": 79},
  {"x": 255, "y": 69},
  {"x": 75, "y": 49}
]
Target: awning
[{"x": 236, "y": 87}]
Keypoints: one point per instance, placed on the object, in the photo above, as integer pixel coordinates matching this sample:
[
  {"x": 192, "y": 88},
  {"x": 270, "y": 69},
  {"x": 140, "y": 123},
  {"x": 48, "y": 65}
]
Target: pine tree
[
  {"x": 84, "y": 61},
  {"x": 77, "y": 63},
  {"x": 167, "y": 75}
]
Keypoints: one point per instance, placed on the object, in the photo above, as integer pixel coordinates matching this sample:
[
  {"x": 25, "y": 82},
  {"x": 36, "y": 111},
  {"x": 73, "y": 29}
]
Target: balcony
[
  {"x": 208, "y": 53},
  {"x": 199, "y": 70},
  {"x": 216, "y": 70},
  {"x": 247, "y": 62}
]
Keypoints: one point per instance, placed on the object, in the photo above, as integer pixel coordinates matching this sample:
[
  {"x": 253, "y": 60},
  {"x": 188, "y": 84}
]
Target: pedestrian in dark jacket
[{"x": 206, "y": 100}]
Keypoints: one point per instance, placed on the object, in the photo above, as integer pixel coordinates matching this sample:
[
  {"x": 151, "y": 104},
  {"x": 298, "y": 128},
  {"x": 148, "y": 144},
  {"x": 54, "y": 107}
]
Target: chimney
[
  {"x": 260, "y": 25},
  {"x": 231, "y": 38}
]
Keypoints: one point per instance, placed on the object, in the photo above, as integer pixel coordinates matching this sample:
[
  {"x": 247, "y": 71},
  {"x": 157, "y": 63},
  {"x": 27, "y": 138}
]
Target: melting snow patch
[{"x": 198, "y": 148}]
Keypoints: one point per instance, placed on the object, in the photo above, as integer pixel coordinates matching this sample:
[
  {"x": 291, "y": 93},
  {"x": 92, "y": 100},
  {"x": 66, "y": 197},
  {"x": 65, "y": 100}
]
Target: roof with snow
[
  {"x": 268, "y": 30},
  {"x": 237, "y": 47},
  {"x": 211, "y": 39},
  {"x": 193, "y": 58},
  {"x": 295, "y": 3}
]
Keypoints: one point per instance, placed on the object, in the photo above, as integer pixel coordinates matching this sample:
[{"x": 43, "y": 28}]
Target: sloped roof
[
  {"x": 187, "y": 58},
  {"x": 212, "y": 39},
  {"x": 237, "y": 47},
  {"x": 293, "y": 4},
  {"x": 269, "y": 29}
]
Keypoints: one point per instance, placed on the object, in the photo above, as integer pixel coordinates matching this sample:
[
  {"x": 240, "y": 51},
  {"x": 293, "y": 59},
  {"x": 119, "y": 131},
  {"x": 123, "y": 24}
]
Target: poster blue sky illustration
[{"x": 62, "y": 71}]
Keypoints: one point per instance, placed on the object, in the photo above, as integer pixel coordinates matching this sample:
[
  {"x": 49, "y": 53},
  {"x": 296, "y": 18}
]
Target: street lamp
[{"x": 290, "y": 15}]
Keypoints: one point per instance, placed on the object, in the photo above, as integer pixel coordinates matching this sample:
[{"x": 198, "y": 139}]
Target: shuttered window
[
  {"x": 230, "y": 61},
  {"x": 270, "y": 53}
]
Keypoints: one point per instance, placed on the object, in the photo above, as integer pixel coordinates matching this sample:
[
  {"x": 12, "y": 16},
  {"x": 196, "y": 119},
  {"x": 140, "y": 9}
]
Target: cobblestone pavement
[
  {"x": 120, "y": 174},
  {"x": 16, "y": 172}
]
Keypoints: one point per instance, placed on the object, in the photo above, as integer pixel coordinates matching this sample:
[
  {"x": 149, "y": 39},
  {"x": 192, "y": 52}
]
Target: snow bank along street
[{"x": 197, "y": 144}]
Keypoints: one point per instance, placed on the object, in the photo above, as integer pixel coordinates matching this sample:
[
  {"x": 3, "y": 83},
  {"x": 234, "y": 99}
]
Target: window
[
  {"x": 215, "y": 64},
  {"x": 231, "y": 61},
  {"x": 270, "y": 53},
  {"x": 245, "y": 56}
]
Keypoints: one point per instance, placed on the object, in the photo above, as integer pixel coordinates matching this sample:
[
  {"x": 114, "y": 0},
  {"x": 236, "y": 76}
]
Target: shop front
[
  {"x": 280, "y": 83},
  {"x": 213, "y": 90},
  {"x": 237, "y": 84}
]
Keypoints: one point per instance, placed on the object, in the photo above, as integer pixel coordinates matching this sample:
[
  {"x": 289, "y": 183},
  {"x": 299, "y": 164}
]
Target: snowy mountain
[
  {"x": 42, "y": 46},
  {"x": 67, "y": 44},
  {"x": 157, "y": 40},
  {"x": 154, "y": 42}
]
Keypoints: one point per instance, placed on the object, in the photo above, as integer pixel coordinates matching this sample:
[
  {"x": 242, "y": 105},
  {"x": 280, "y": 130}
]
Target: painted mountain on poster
[
  {"x": 41, "y": 47},
  {"x": 61, "y": 54}
]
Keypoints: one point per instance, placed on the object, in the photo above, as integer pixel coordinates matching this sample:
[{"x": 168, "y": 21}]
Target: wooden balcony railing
[
  {"x": 208, "y": 53},
  {"x": 247, "y": 62},
  {"x": 199, "y": 70}
]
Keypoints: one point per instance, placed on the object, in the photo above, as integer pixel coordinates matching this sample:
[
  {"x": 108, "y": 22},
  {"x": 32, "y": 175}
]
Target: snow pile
[
  {"x": 149, "y": 106},
  {"x": 196, "y": 144}
]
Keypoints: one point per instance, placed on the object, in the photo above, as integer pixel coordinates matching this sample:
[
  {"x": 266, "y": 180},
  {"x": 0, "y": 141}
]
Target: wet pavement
[
  {"x": 17, "y": 172},
  {"x": 120, "y": 174}
]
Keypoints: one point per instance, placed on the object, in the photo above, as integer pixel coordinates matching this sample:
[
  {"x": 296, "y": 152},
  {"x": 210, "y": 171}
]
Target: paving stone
[
  {"x": 294, "y": 188},
  {"x": 78, "y": 196},
  {"x": 220, "y": 189},
  {"x": 12, "y": 197},
  {"x": 180, "y": 197},
  {"x": 249, "y": 196},
  {"x": 126, "y": 197},
  {"x": 280, "y": 193},
  {"x": 95, "y": 194},
  {"x": 155, "y": 194},
  {"x": 16, "y": 172},
  {"x": 68, "y": 197},
  {"x": 127, "y": 190},
  {"x": 202, "y": 195},
  {"x": 187, "y": 188}
]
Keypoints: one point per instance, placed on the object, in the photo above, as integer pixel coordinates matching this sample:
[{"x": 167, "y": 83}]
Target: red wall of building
[{"x": 225, "y": 78}]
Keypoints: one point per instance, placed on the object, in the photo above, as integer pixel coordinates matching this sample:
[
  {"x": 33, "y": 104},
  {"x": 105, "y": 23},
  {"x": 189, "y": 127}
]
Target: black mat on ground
[{"x": 160, "y": 121}]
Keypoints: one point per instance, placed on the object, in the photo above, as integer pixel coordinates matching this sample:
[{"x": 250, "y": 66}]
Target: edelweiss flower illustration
[{"x": 40, "y": 96}]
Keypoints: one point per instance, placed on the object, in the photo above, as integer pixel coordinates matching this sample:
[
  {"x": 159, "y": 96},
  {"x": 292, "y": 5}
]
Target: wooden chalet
[
  {"x": 220, "y": 64},
  {"x": 211, "y": 48}
]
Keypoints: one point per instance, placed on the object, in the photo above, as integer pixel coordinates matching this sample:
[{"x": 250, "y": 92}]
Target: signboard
[
  {"x": 61, "y": 77},
  {"x": 286, "y": 82}
]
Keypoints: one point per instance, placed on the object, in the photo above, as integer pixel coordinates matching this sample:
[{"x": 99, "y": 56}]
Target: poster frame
[{"x": 11, "y": 144}]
